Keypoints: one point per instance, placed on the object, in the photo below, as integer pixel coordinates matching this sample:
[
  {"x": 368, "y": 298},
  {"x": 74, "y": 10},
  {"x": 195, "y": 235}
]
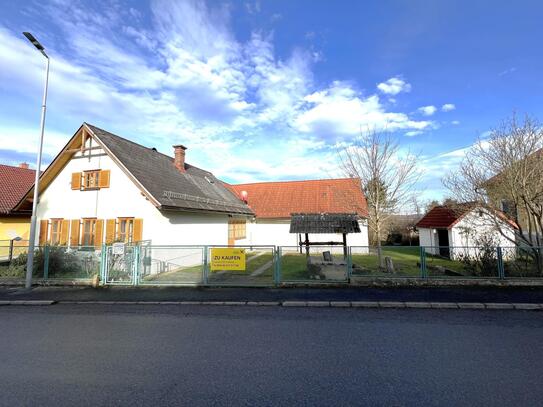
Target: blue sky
[{"x": 269, "y": 90}]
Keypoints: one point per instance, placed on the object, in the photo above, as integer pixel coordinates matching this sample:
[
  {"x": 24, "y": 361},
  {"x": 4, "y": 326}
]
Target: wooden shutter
[
  {"x": 110, "y": 231},
  {"x": 43, "y": 232},
  {"x": 103, "y": 180},
  {"x": 64, "y": 227},
  {"x": 98, "y": 229},
  {"x": 137, "y": 231},
  {"x": 74, "y": 232},
  {"x": 76, "y": 180}
]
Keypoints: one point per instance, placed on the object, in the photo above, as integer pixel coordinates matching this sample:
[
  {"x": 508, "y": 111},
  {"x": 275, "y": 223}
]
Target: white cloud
[
  {"x": 455, "y": 122},
  {"x": 393, "y": 86},
  {"x": 340, "y": 109},
  {"x": 413, "y": 133},
  {"x": 447, "y": 107},
  {"x": 427, "y": 110}
]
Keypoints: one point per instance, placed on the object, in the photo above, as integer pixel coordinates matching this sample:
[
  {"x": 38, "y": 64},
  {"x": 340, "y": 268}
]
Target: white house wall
[
  {"x": 428, "y": 239},
  {"x": 479, "y": 226},
  {"x": 276, "y": 232}
]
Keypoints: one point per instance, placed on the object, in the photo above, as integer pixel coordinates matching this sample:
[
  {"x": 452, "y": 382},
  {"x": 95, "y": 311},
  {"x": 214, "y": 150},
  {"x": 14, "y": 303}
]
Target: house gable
[{"x": 153, "y": 173}]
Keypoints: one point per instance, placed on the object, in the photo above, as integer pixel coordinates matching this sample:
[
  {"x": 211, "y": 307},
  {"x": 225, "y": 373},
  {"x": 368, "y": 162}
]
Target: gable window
[
  {"x": 91, "y": 179},
  {"x": 125, "y": 230},
  {"x": 56, "y": 227},
  {"x": 88, "y": 235}
]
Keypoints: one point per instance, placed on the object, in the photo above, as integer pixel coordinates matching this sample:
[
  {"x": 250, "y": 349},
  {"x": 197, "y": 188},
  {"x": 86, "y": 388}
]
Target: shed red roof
[
  {"x": 14, "y": 184},
  {"x": 443, "y": 216},
  {"x": 447, "y": 217},
  {"x": 281, "y": 199}
]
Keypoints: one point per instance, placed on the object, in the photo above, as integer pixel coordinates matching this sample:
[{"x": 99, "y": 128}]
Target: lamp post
[{"x": 32, "y": 237}]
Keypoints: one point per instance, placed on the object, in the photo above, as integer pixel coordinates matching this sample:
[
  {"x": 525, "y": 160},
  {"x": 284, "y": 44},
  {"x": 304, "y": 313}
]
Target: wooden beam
[
  {"x": 321, "y": 243},
  {"x": 77, "y": 150}
]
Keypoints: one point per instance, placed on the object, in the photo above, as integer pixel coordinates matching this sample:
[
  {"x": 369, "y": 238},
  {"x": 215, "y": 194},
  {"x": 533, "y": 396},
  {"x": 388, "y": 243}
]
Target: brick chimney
[
  {"x": 24, "y": 165},
  {"x": 179, "y": 160}
]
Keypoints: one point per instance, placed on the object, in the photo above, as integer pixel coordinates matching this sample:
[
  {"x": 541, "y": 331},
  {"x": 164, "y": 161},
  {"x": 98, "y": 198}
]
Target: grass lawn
[
  {"x": 406, "y": 261},
  {"x": 193, "y": 274}
]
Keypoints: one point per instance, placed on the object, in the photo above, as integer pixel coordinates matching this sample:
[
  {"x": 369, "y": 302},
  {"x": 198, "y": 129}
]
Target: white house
[
  {"x": 450, "y": 232},
  {"x": 102, "y": 188}
]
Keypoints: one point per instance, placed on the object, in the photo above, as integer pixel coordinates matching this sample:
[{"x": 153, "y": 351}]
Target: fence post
[
  {"x": 10, "y": 255},
  {"x": 46, "y": 262},
  {"x": 204, "y": 269},
  {"x": 501, "y": 271},
  {"x": 135, "y": 264},
  {"x": 278, "y": 265},
  {"x": 349, "y": 263},
  {"x": 103, "y": 264},
  {"x": 423, "y": 271}
]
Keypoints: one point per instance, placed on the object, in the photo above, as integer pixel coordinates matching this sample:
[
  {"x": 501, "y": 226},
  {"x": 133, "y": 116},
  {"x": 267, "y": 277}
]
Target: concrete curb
[
  {"x": 314, "y": 304},
  {"x": 28, "y": 302}
]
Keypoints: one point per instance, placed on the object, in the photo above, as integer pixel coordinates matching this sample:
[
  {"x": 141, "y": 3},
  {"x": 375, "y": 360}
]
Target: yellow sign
[{"x": 227, "y": 259}]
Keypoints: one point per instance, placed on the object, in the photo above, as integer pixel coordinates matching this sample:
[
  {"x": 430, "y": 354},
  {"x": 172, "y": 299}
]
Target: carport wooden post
[
  {"x": 345, "y": 245},
  {"x": 307, "y": 244}
]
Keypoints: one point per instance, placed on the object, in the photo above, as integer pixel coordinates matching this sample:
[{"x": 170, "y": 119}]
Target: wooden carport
[{"x": 320, "y": 223}]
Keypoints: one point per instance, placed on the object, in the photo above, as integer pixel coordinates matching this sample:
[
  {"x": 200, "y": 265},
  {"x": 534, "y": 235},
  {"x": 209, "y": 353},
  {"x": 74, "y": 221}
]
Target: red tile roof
[
  {"x": 14, "y": 184},
  {"x": 281, "y": 199},
  {"x": 446, "y": 216},
  {"x": 443, "y": 217}
]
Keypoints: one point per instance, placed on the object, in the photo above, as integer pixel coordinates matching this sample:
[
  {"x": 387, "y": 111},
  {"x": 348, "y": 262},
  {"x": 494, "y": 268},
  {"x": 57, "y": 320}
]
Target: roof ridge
[
  {"x": 125, "y": 139},
  {"x": 141, "y": 145},
  {"x": 17, "y": 167},
  {"x": 296, "y": 181}
]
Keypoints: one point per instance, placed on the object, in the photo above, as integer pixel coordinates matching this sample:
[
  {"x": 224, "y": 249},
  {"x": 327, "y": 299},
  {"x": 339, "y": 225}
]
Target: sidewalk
[{"x": 509, "y": 295}]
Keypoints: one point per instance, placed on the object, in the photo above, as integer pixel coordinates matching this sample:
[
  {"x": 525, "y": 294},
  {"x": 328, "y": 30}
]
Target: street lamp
[{"x": 32, "y": 237}]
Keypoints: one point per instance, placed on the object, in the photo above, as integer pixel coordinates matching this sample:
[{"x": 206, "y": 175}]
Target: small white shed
[{"x": 449, "y": 231}]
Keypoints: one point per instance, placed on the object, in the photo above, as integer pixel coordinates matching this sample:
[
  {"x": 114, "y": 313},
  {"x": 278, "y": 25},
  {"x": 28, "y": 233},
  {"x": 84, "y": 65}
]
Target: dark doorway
[{"x": 443, "y": 242}]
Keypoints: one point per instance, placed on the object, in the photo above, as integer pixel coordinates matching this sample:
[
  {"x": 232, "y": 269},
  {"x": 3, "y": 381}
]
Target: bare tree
[
  {"x": 388, "y": 177},
  {"x": 503, "y": 172}
]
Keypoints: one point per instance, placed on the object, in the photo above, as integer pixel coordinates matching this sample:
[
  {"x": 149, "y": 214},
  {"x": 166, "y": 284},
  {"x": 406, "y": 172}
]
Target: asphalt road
[{"x": 96, "y": 355}]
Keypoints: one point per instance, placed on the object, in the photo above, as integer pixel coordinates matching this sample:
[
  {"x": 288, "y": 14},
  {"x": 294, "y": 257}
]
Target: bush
[
  {"x": 482, "y": 260},
  {"x": 62, "y": 262}
]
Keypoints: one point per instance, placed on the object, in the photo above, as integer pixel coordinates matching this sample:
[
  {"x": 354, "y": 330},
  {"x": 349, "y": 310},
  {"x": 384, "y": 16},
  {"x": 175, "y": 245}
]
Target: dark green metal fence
[{"x": 145, "y": 264}]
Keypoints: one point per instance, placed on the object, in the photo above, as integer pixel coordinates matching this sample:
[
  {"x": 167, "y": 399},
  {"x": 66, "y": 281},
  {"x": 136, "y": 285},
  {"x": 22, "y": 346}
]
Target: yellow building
[{"x": 15, "y": 182}]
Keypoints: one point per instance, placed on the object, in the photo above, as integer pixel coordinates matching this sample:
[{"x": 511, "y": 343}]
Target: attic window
[{"x": 209, "y": 180}]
